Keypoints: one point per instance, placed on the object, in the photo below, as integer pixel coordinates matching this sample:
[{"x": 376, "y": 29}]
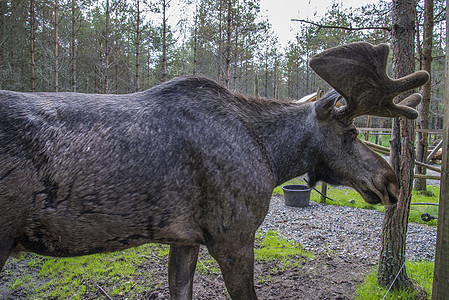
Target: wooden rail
[
  {"x": 386, "y": 151},
  {"x": 436, "y": 169},
  {"x": 387, "y": 130},
  {"x": 431, "y": 177}
]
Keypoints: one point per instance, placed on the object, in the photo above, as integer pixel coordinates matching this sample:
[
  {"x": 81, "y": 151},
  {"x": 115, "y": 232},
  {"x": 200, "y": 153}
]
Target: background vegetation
[{"x": 117, "y": 46}]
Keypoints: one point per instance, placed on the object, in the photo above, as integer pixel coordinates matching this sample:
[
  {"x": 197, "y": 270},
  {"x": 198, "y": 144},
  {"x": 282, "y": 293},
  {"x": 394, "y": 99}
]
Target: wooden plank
[
  {"x": 377, "y": 147},
  {"x": 434, "y": 151},
  {"x": 430, "y": 131},
  {"x": 386, "y": 130},
  {"x": 380, "y": 133},
  {"x": 428, "y": 166},
  {"x": 432, "y": 177},
  {"x": 374, "y": 129}
]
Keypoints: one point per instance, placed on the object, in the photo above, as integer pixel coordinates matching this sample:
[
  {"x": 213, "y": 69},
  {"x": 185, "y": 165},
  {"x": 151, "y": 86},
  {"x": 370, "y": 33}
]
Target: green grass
[
  {"x": 283, "y": 254},
  {"x": 349, "y": 197},
  {"x": 273, "y": 247},
  {"x": 126, "y": 274},
  {"x": 268, "y": 247},
  {"x": 420, "y": 272},
  {"x": 81, "y": 277}
]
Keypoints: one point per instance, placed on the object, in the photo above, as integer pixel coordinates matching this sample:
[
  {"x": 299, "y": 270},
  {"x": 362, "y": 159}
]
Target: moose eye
[
  {"x": 351, "y": 135},
  {"x": 354, "y": 133}
]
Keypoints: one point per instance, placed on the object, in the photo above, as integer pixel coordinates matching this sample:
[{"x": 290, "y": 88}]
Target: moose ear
[{"x": 326, "y": 105}]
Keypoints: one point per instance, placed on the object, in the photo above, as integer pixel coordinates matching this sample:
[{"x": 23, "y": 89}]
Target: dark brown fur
[{"x": 184, "y": 163}]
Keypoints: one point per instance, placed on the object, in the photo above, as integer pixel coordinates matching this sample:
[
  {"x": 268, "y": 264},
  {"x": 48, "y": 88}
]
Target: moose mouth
[{"x": 387, "y": 194}]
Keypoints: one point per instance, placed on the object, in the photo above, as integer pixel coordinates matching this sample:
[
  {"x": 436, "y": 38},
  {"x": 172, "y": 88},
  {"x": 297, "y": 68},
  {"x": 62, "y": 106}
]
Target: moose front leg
[
  {"x": 6, "y": 246},
  {"x": 181, "y": 268},
  {"x": 236, "y": 260}
]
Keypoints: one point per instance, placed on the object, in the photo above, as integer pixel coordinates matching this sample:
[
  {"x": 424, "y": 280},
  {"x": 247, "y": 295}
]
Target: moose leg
[
  {"x": 181, "y": 268},
  {"x": 6, "y": 246},
  {"x": 237, "y": 266}
]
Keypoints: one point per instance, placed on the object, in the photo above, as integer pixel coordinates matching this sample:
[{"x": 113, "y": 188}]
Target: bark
[
  {"x": 441, "y": 272},
  {"x": 220, "y": 38},
  {"x": 106, "y": 56},
  {"x": 56, "y": 46},
  {"x": 138, "y": 48},
  {"x": 236, "y": 53},
  {"x": 195, "y": 41},
  {"x": 394, "y": 228},
  {"x": 32, "y": 51},
  {"x": 2, "y": 39},
  {"x": 164, "y": 41},
  {"x": 73, "y": 46},
  {"x": 256, "y": 86},
  {"x": 266, "y": 73},
  {"x": 423, "y": 119},
  {"x": 228, "y": 43},
  {"x": 275, "y": 80},
  {"x": 116, "y": 78}
]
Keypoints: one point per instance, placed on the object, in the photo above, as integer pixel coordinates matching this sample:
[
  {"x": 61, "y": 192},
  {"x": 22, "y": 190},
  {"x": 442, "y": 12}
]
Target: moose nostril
[
  {"x": 392, "y": 196},
  {"x": 393, "y": 199}
]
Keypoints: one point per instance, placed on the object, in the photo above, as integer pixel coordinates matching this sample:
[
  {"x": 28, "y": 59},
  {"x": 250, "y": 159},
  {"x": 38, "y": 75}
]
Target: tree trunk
[
  {"x": 2, "y": 38},
  {"x": 195, "y": 40},
  {"x": 394, "y": 228},
  {"x": 228, "y": 43},
  {"x": 275, "y": 79},
  {"x": 106, "y": 55},
  {"x": 256, "y": 86},
  {"x": 423, "y": 118},
  {"x": 56, "y": 46},
  {"x": 266, "y": 73},
  {"x": 73, "y": 46},
  {"x": 32, "y": 52},
  {"x": 116, "y": 78},
  {"x": 164, "y": 41},
  {"x": 138, "y": 48},
  {"x": 220, "y": 38},
  {"x": 236, "y": 52},
  {"x": 440, "y": 289}
]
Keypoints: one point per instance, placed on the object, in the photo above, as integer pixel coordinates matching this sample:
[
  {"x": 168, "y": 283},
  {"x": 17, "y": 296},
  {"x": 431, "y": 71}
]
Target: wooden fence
[{"x": 432, "y": 135}]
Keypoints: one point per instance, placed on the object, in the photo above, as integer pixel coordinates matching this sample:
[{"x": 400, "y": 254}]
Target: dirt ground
[
  {"x": 320, "y": 278},
  {"x": 323, "y": 277}
]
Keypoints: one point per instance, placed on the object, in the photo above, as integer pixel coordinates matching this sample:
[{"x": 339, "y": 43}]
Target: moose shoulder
[{"x": 185, "y": 163}]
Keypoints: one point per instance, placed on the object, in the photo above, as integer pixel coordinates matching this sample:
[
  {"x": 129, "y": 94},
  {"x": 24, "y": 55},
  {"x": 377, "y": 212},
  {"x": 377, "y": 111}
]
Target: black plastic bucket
[{"x": 296, "y": 195}]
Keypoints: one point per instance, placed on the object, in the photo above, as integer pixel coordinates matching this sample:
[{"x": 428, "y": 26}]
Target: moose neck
[{"x": 288, "y": 133}]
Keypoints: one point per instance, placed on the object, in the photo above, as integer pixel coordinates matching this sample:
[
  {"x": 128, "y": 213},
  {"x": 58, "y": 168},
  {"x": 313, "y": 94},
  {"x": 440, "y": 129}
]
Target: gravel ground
[{"x": 344, "y": 231}]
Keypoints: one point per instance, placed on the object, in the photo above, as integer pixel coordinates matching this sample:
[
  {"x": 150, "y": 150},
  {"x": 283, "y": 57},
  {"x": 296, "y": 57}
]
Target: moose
[{"x": 186, "y": 163}]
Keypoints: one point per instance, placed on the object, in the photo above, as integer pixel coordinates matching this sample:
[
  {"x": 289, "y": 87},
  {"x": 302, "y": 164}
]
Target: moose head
[{"x": 357, "y": 72}]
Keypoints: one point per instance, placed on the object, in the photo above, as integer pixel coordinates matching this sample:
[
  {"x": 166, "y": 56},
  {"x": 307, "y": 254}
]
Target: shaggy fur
[{"x": 184, "y": 163}]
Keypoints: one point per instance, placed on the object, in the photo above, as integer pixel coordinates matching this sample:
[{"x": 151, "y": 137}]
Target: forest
[{"x": 116, "y": 46}]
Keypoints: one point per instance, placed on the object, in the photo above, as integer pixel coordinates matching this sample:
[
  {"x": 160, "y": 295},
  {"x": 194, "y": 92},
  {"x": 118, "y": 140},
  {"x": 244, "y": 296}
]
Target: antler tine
[{"x": 358, "y": 72}]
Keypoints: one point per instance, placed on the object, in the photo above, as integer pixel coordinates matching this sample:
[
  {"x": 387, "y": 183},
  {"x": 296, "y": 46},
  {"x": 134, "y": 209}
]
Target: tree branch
[{"x": 342, "y": 27}]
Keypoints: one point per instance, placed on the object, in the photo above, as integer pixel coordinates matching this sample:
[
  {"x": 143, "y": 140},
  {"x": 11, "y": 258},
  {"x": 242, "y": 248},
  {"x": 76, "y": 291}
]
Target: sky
[{"x": 279, "y": 12}]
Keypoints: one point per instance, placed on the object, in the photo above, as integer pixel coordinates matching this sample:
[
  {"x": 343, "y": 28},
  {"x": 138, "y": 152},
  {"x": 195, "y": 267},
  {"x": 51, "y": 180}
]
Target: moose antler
[{"x": 358, "y": 72}]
